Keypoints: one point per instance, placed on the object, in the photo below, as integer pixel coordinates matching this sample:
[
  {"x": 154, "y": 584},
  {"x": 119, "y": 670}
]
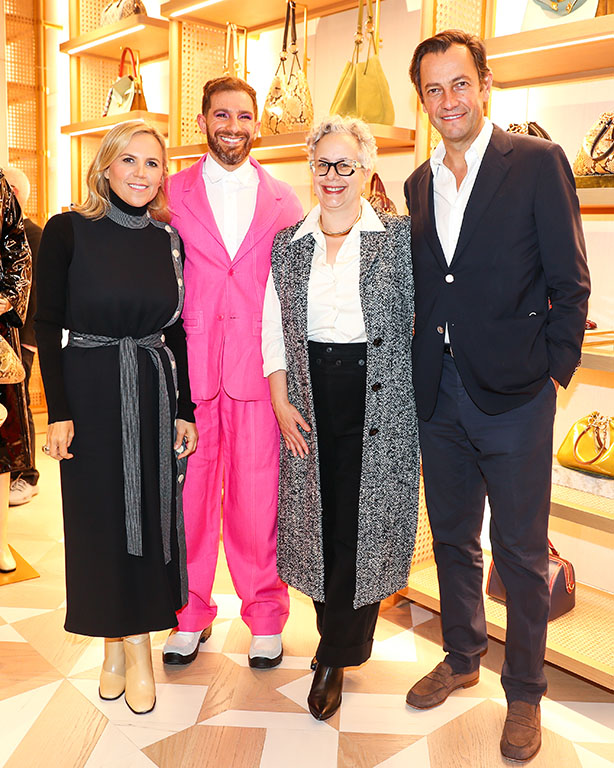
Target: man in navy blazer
[{"x": 502, "y": 288}]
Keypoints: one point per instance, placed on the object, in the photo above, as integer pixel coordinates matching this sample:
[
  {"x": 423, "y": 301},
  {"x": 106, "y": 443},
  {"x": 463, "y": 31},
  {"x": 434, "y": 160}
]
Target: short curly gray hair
[{"x": 353, "y": 126}]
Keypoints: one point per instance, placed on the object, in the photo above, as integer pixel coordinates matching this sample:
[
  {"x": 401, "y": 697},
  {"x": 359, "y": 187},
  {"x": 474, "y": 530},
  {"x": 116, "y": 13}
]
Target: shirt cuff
[{"x": 274, "y": 364}]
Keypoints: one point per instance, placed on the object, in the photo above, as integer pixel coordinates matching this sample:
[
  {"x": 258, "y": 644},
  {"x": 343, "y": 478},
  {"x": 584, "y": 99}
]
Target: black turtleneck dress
[{"x": 101, "y": 277}]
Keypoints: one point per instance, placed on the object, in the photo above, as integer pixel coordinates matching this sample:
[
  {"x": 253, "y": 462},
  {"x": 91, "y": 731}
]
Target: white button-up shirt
[
  {"x": 334, "y": 312},
  {"x": 232, "y": 196},
  {"x": 450, "y": 202}
]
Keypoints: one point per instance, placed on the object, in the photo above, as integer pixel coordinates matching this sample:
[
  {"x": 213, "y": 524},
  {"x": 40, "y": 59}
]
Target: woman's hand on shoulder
[
  {"x": 186, "y": 439},
  {"x": 59, "y": 438}
]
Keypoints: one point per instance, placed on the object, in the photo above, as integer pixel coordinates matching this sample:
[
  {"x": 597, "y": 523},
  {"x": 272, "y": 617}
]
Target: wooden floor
[{"x": 218, "y": 712}]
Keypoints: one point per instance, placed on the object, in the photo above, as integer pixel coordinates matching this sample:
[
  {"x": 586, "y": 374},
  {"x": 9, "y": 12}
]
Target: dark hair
[
  {"x": 440, "y": 43},
  {"x": 227, "y": 83}
]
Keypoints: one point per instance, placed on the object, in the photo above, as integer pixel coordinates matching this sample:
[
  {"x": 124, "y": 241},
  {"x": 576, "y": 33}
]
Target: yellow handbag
[
  {"x": 363, "y": 90},
  {"x": 589, "y": 446},
  {"x": 596, "y": 154},
  {"x": 288, "y": 106}
]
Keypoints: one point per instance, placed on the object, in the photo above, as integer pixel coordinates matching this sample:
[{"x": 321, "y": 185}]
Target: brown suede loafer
[
  {"x": 522, "y": 735},
  {"x": 435, "y": 688}
]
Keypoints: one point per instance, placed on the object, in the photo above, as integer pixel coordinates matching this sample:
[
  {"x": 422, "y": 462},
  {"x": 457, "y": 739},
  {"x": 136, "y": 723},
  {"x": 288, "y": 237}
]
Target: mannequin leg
[
  {"x": 7, "y": 561},
  {"x": 140, "y": 684},
  {"x": 113, "y": 672}
]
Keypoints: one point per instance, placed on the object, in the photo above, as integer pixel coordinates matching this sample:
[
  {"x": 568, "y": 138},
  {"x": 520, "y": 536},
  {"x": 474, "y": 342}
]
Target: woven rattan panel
[
  {"x": 89, "y": 11},
  {"x": 203, "y": 58},
  {"x": 450, "y": 14},
  {"x": 89, "y": 147},
  {"x": 97, "y": 76},
  {"x": 423, "y": 550},
  {"x": 37, "y": 393},
  {"x": 23, "y": 139}
]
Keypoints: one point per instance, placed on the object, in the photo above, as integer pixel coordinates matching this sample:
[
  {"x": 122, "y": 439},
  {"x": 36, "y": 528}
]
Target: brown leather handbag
[
  {"x": 561, "y": 580},
  {"x": 378, "y": 197}
]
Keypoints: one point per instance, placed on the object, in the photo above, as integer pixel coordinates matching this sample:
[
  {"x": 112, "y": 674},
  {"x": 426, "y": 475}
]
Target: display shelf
[
  {"x": 598, "y": 350},
  {"x": 580, "y": 49},
  {"x": 584, "y": 508},
  {"x": 579, "y": 641},
  {"x": 289, "y": 147},
  {"x": 147, "y": 35},
  {"x": 596, "y": 199},
  {"x": 256, "y": 15},
  {"x": 99, "y": 126}
]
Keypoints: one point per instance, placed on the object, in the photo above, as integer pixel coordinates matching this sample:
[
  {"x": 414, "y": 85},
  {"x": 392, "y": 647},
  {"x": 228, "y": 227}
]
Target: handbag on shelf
[
  {"x": 288, "y": 106},
  {"x": 589, "y": 446},
  {"x": 604, "y": 7},
  {"x": 530, "y": 128},
  {"x": 11, "y": 367},
  {"x": 378, "y": 197},
  {"x": 126, "y": 93},
  {"x": 560, "y": 7},
  {"x": 561, "y": 581},
  {"x": 363, "y": 90},
  {"x": 119, "y": 9},
  {"x": 232, "y": 62},
  {"x": 596, "y": 154}
]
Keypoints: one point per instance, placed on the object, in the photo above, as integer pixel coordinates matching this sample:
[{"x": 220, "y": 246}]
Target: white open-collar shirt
[
  {"x": 232, "y": 196},
  {"x": 334, "y": 311},
  {"x": 450, "y": 202}
]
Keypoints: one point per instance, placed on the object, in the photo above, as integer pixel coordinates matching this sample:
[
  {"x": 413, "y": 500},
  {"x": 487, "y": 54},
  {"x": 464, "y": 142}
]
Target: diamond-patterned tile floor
[{"x": 219, "y": 712}]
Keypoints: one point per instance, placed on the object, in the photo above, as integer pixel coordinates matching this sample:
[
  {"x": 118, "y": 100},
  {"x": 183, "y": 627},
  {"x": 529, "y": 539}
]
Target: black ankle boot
[{"x": 325, "y": 695}]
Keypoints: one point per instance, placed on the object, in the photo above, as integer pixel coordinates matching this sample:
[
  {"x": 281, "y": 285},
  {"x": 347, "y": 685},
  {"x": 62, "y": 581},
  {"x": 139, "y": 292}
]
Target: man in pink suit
[{"x": 228, "y": 209}]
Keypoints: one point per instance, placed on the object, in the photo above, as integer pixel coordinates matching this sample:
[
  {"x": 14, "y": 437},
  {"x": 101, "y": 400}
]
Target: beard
[{"x": 230, "y": 155}]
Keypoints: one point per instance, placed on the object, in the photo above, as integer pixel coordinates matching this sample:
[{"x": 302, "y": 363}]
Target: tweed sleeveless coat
[{"x": 388, "y": 505}]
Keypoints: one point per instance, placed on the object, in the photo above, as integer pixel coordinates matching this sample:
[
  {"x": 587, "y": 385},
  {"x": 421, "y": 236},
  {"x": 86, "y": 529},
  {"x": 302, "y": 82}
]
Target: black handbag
[{"x": 561, "y": 580}]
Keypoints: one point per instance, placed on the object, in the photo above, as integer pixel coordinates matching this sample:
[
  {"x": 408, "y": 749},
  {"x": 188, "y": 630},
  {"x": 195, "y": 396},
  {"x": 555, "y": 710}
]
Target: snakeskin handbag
[
  {"x": 529, "y": 129},
  {"x": 120, "y": 9},
  {"x": 288, "y": 106},
  {"x": 11, "y": 367},
  {"x": 596, "y": 154}
]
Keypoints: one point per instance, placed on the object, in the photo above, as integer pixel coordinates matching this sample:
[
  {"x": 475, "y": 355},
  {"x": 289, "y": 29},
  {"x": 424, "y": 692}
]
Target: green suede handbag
[{"x": 363, "y": 90}]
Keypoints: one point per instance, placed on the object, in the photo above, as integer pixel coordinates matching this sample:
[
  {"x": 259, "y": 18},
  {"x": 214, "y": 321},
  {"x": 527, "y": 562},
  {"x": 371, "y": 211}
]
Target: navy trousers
[{"x": 467, "y": 454}]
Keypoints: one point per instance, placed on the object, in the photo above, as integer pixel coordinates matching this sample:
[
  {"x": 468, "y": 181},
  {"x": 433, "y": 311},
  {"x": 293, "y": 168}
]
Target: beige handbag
[
  {"x": 596, "y": 154},
  {"x": 232, "y": 61},
  {"x": 288, "y": 106},
  {"x": 126, "y": 94},
  {"x": 120, "y": 9}
]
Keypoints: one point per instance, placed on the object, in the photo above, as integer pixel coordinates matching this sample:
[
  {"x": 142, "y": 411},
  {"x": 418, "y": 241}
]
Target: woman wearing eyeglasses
[{"x": 337, "y": 328}]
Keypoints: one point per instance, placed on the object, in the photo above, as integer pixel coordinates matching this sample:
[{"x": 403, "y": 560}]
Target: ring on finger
[{"x": 46, "y": 449}]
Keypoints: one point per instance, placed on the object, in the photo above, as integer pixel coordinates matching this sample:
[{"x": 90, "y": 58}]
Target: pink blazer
[{"x": 222, "y": 313}]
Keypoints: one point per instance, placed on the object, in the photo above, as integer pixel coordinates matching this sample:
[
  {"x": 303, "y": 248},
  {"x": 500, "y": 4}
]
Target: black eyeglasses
[{"x": 342, "y": 167}]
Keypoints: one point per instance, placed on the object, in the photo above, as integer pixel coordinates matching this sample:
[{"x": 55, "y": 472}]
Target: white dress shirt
[
  {"x": 334, "y": 312},
  {"x": 450, "y": 202},
  {"x": 232, "y": 196}
]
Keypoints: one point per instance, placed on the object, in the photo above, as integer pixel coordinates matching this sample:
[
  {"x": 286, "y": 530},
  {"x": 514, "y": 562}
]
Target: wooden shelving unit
[
  {"x": 578, "y": 50},
  {"x": 98, "y": 127},
  {"x": 147, "y": 35},
  {"x": 580, "y": 641},
  {"x": 584, "y": 508},
  {"x": 255, "y": 15},
  {"x": 288, "y": 147}
]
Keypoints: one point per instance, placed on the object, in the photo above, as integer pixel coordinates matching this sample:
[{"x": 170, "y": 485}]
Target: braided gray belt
[{"x": 131, "y": 430}]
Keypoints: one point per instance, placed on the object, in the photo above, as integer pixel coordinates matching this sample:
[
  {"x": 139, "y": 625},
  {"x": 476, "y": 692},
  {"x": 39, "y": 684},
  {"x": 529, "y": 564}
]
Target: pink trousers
[{"x": 238, "y": 450}]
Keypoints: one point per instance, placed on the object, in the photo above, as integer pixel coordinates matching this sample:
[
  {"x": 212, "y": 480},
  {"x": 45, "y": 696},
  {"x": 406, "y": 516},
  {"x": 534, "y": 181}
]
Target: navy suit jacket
[{"x": 515, "y": 295}]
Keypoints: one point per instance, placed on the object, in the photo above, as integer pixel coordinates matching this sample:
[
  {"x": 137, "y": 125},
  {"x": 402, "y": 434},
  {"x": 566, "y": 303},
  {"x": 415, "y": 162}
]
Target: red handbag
[{"x": 561, "y": 580}]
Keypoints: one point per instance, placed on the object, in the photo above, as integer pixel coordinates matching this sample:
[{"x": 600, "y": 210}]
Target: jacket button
[
  {"x": 373, "y": 431},
  {"x": 231, "y": 272},
  {"x": 378, "y": 342},
  {"x": 376, "y": 387},
  {"x": 220, "y": 317},
  {"x": 440, "y": 329},
  {"x": 449, "y": 278}
]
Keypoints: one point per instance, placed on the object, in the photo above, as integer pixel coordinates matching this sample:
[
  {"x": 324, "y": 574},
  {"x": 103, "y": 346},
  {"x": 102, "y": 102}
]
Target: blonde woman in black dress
[{"x": 120, "y": 410}]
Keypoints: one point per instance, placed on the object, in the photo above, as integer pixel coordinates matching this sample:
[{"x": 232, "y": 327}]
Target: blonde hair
[
  {"x": 353, "y": 126},
  {"x": 114, "y": 143}
]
